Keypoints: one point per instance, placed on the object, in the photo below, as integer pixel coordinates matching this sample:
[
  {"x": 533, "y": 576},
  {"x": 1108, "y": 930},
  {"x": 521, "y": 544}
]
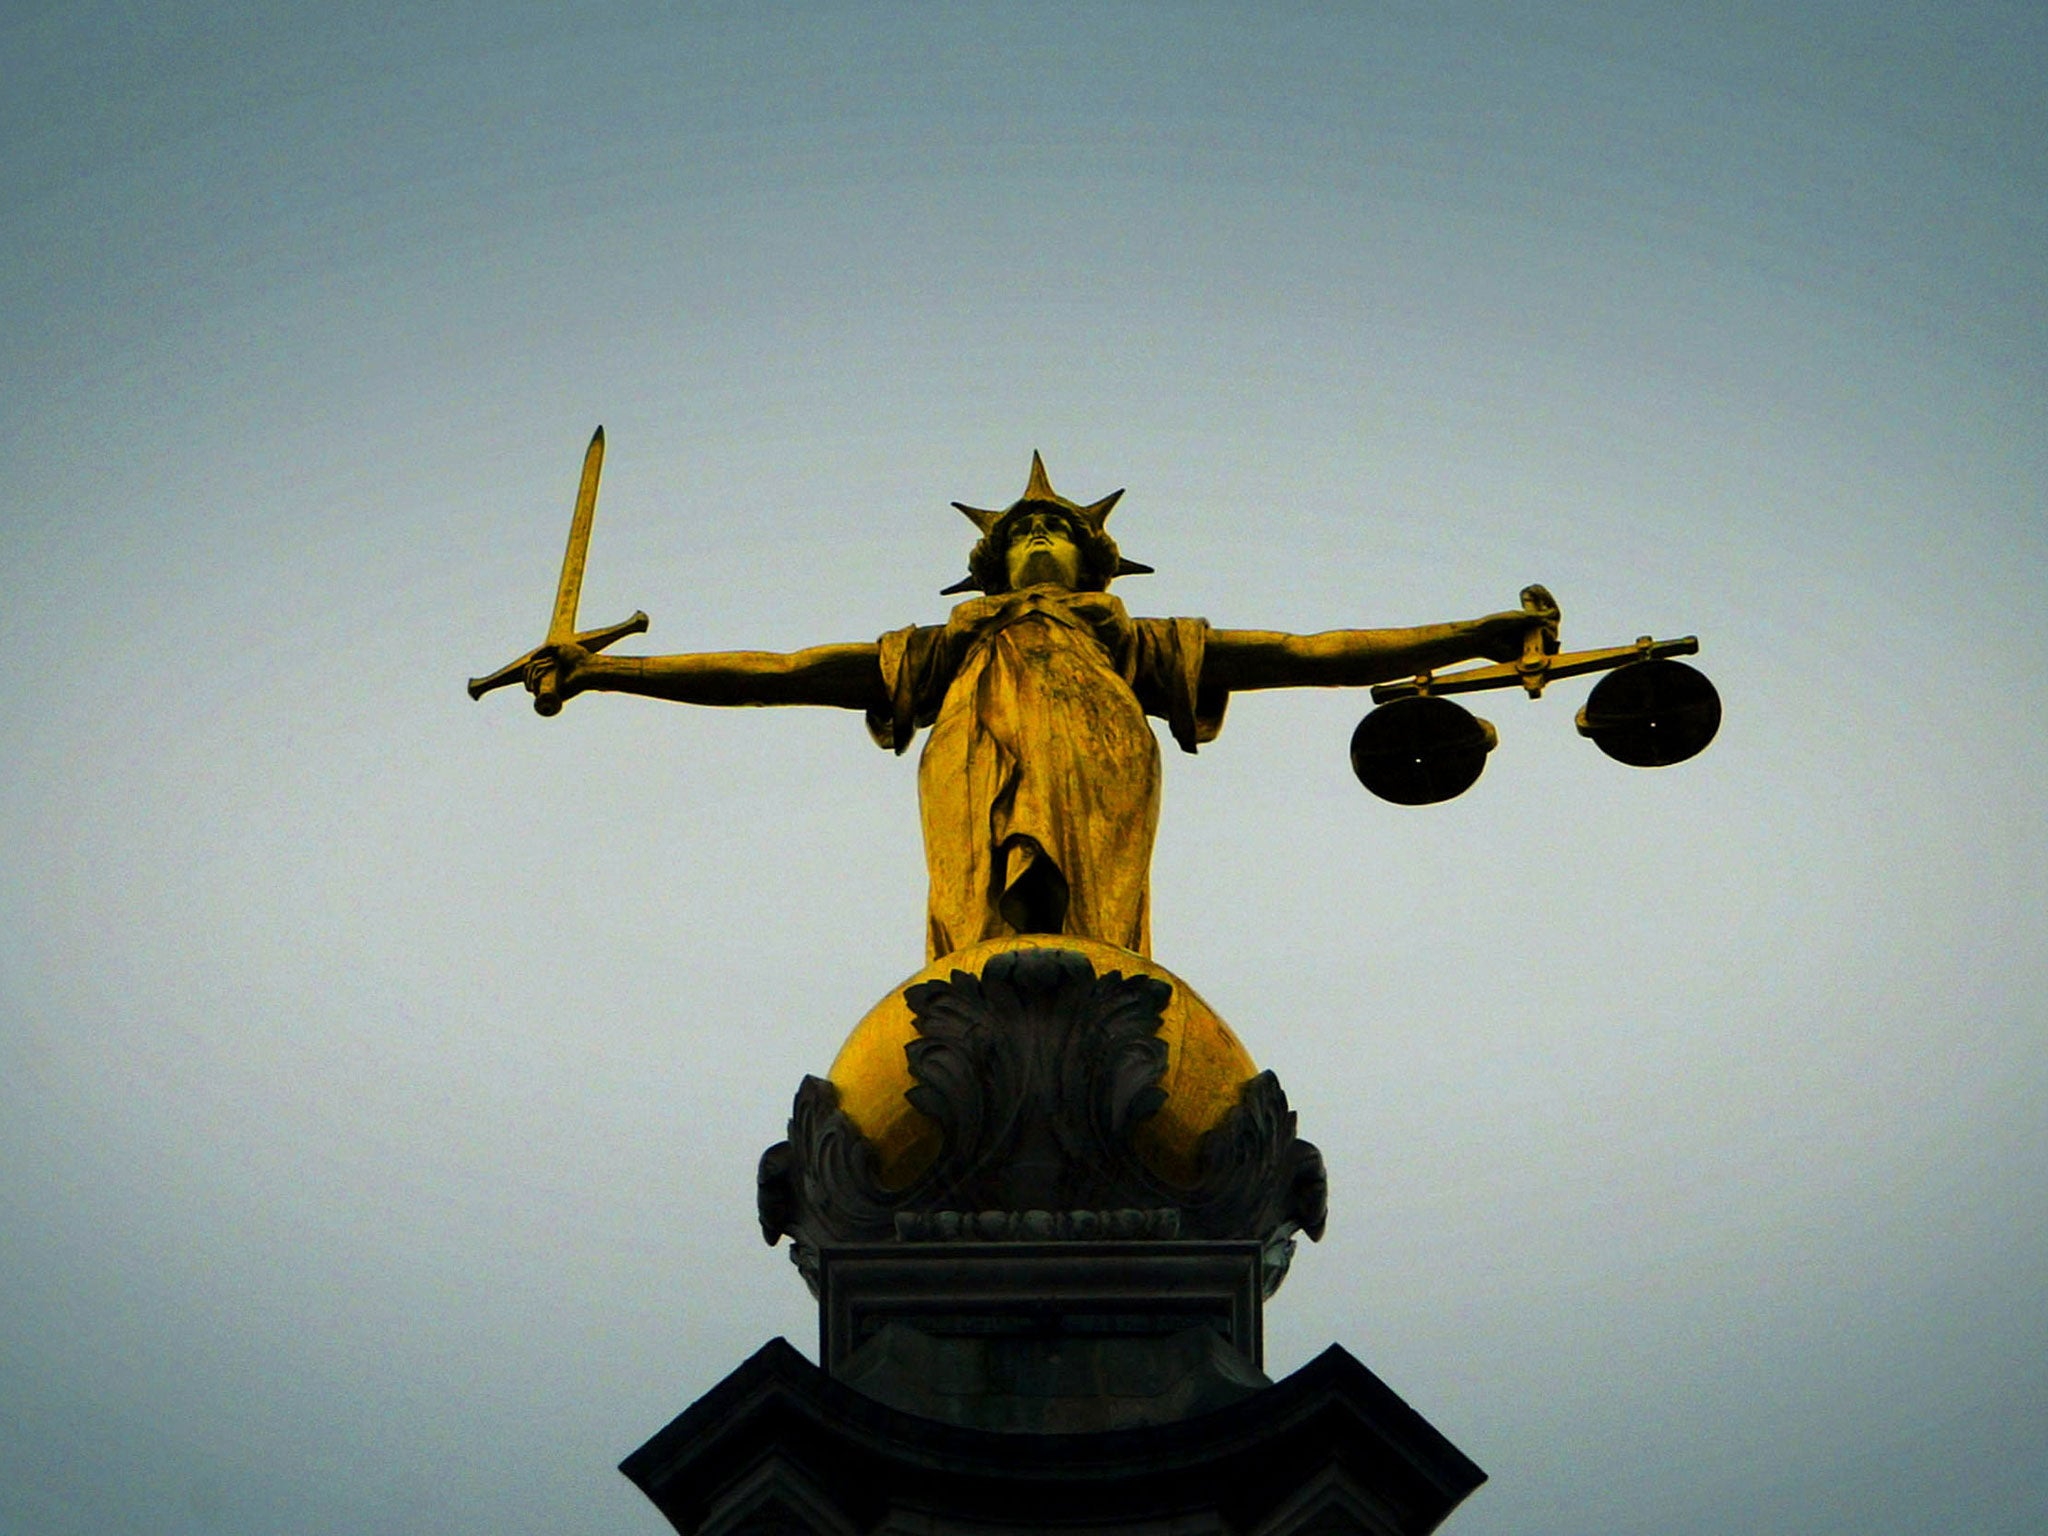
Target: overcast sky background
[{"x": 382, "y": 1074}]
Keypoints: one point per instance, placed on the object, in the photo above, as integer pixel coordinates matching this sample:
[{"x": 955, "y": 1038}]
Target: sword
[{"x": 547, "y": 694}]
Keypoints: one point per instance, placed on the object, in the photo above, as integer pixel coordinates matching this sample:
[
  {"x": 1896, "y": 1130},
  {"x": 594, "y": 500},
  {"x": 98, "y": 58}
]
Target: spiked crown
[{"x": 1101, "y": 561}]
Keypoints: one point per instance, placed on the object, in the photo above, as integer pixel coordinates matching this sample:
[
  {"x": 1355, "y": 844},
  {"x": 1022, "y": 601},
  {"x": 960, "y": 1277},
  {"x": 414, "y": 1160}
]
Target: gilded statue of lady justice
[{"x": 1039, "y": 785}]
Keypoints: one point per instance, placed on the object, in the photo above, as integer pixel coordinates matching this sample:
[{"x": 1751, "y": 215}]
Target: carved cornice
[{"x": 1038, "y": 1072}]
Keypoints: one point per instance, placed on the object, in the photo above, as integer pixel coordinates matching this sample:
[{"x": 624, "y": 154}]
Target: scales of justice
[{"x": 1043, "y": 1192}]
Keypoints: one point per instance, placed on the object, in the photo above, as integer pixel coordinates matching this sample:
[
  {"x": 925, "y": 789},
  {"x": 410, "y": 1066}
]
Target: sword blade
[{"x": 562, "y": 625}]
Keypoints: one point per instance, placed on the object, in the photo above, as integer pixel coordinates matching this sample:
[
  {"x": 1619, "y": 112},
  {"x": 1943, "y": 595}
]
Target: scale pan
[
  {"x": 1650, "y": 714},
  {"x": 1418, "y": 751}
]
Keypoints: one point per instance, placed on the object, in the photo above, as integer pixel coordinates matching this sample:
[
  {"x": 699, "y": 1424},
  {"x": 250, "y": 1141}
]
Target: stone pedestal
[
  {"x": 1041, "y": 1199},
  {"x": 1113, "y": 1389},
  {"x": 1045, "y": 1338}
]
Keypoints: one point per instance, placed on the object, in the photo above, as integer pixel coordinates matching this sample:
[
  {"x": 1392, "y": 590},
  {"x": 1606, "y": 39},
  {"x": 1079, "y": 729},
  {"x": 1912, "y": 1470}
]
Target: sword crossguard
[{"x": 547, "y": 698}]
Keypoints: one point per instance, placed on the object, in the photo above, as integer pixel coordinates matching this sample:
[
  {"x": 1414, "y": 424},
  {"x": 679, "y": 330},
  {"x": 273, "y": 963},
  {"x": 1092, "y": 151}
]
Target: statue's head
[{"x": 1043, "y": 537}]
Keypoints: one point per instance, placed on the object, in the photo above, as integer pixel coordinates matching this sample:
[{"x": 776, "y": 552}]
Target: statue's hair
[{"x": 988, "y": 564}]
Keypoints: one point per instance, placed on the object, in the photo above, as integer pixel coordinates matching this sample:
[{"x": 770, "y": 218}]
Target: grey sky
[{"x": 381, "y": 1075}]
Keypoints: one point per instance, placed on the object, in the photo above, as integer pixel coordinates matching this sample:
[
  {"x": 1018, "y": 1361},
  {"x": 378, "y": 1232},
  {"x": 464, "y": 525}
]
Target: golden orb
[{"x": 1206, "y": 1065}]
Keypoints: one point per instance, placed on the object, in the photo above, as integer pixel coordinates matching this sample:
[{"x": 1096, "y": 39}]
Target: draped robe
[{"x": 1041, "y": 773}]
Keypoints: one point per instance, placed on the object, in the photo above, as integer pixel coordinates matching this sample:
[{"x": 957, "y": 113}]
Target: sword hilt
[{"x": 547, "y": 692}]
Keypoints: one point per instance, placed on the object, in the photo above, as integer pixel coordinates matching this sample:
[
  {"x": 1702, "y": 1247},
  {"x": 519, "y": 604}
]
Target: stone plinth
[
  {"x": 1106, "y": 1388},
  {"x": 1042, "y": 1199}
]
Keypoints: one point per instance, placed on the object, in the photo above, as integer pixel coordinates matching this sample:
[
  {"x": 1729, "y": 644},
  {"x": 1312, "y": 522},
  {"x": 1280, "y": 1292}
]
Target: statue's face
[{"x": 1042, "y": 549}]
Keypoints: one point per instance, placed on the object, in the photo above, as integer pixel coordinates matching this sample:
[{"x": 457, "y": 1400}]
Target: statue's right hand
[{"x": 555, "y": 674}]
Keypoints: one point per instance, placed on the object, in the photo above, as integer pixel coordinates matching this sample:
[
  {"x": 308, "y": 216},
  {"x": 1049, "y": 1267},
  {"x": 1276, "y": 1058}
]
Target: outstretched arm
[
  {"x": 1238, "y": 659},
  {"x": 839, "y": 676}
]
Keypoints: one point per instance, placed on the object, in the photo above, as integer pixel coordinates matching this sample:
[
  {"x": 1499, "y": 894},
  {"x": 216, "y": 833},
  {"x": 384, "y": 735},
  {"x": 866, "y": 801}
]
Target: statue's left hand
[{"x": 1502, "y": 636}]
